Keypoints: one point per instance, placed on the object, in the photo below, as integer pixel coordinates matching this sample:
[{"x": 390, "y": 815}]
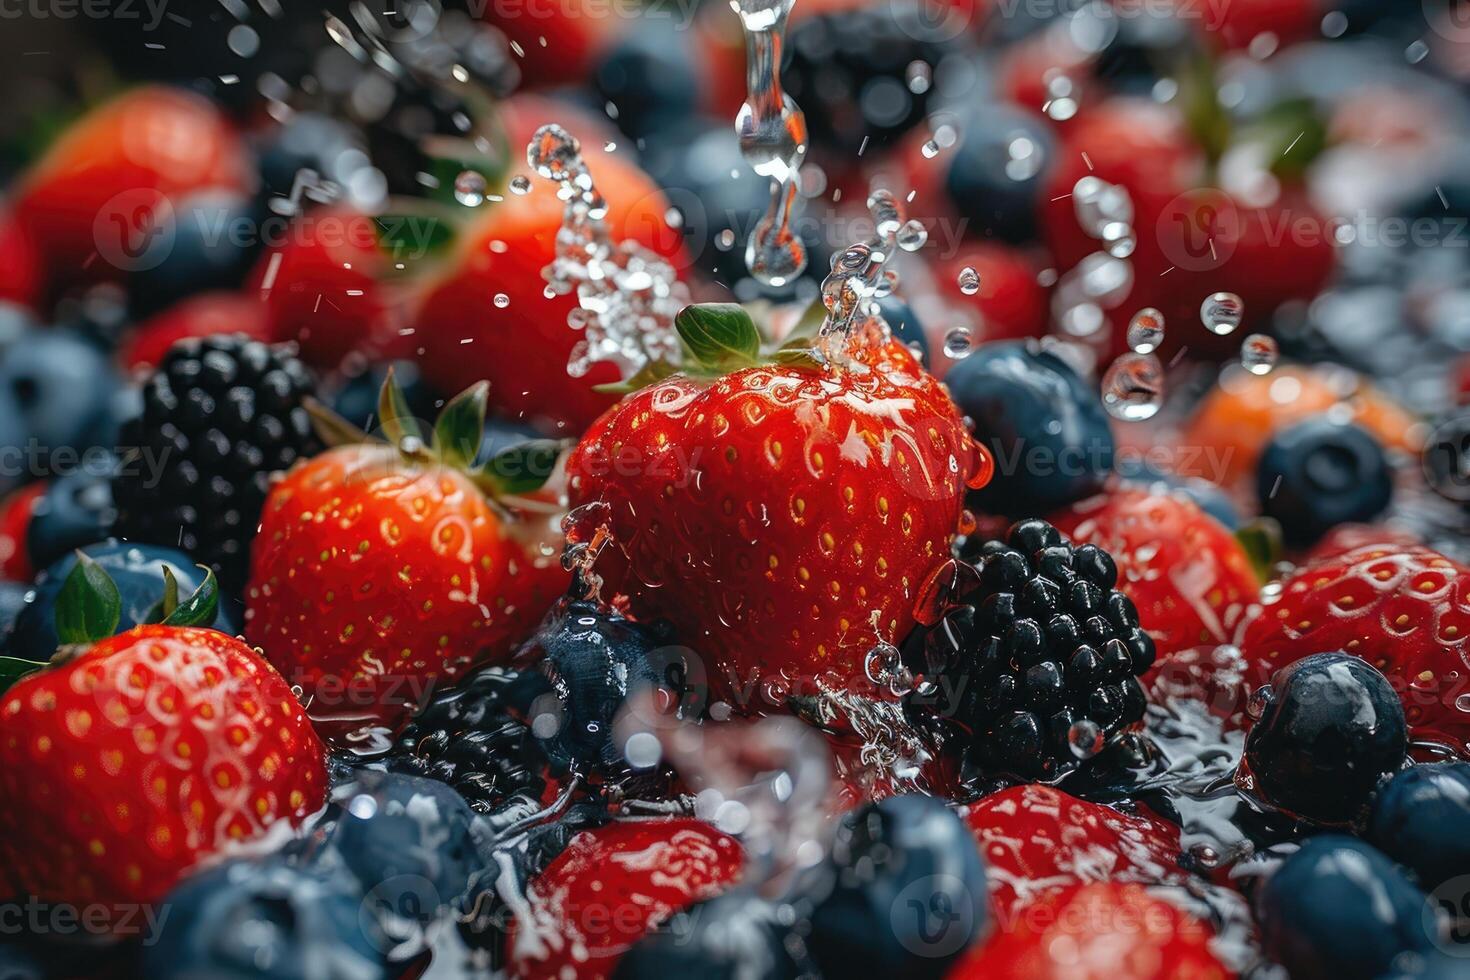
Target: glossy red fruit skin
[
  {"x": 1038, "y": 841},
  {"x": 375, "y": 580},
  {"x": 1188, "y": 576},
  {"x": 150, "y": 751},
  {"x": 1100, "y": 931},
  {"x": 205, "y": 315},
  {"x": 1404, "y": 609},
  {"x": 15, "y": 521},
  {"x": 147, "y": 145},
  {"x": 610, "y": 887},
  {"x": 20, "y": 265},
  {"x": 781, "y": 518}
]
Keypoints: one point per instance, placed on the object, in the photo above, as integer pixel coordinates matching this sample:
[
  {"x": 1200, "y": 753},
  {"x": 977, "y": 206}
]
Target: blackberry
[
  {"x": 1041, "y": 653},
  {"x": 220, "y": 415},
  {"x": 472, "y": 737}
]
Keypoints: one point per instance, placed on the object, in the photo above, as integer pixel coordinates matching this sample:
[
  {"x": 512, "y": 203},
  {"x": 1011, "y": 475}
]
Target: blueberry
[
  {"x": 356, "y": 399},
  {"x": 1421, "y": 819},
  {"x": 1206, "y": 495},
  {"x": 1139, "y": 49},
  {"x": 13, "y": 599},
  {"x": 1317, "y": 474},
  {"x": 310, "y": 141},
  {"x": 64, "y": 389},
  {"x": 1044, "y": 424},
  {"x": 907, "y": 892},
  {"x": 75, "y": 511},
  {"x": 649, "y": 77},
  {"x": 729, "y": 937},
  {"x": 212, "y": 241},
  {"x": 1338, "y": 909},
  {"x": 996, "y": 174},
  {"x": 905, "y": 325},
  {"x": 1332, "y": 729},
  {"x": 137, "y": 571},
  {"x": 266, "y": 920}
]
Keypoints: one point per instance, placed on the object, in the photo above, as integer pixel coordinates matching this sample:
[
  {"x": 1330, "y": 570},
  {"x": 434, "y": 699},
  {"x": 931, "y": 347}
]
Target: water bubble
[
  {"x": 1085, "y": 738},
  {"x": 501, "y": 301},
  {"x": 520, "y": 184},
  {"x": 1133, "y": 387},
  {"x": 917, "y": 75},
  {"x": 930, "y": 149},
  {"x": 1258, "y": 353},
  {"x": 1221, "y": 313},
  {"x": 1146, "y": 331},
  {"x": 725, "y": 240},
  {"x": 555, "y": 153},
  {"x": 1259, "y": 700},
  {"x": 884, "y": 667},
  {"x": 912, "y": 235},
  {"x": 958, "y": 343},
  {"x": 969, "y": 281},
  {"x": 469, "y": 188}
]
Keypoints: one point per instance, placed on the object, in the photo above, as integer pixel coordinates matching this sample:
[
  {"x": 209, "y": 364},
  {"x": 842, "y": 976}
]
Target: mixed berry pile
[{"x": 941, "y": 490}]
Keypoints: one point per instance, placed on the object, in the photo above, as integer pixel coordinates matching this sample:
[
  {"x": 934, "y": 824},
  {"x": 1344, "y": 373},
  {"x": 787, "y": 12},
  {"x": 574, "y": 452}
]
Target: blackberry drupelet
[
  {"x": 472, "y": 737},
  {"x": 1041, "y": 655},
  {"x": 220, "y": 414}
]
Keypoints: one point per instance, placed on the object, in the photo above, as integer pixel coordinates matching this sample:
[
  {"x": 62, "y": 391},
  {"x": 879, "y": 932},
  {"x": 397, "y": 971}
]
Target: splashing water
[
  {"x": 1258, "y": 353},
  {"x": 1221, "y": 313},
  {"x": 1133, "y": 387},
  {"x": 969, "y": 281},
  {"x": 1103, "y": 279},
  {"x": 1146, "y": 331},
  {"x": 627, "y": 296},
  {"x": 469, "y": 188},
  {"x": 772, "y": 132},
  {"x": 860, "y": 276}
]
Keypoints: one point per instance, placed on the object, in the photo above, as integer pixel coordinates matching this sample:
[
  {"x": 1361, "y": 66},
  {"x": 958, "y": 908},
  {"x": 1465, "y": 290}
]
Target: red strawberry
[
  {"x": 781, "y": 517},
  {"x": 1010, "y": 302},
  {"x": 205, "y": 315},
  {"x": 521, "y": 344},
  {"x": 151, "y": 750},
  {"x": 1237, "y": 23},
  {"x": 15, "y": 521},
  {"x": 1104, "y": 931},
  {"x": 1190, "y": 579},
  {"x": 323, "y": 287},
  {"x": 94, "y": 201},
  {"x": 383, "y": 570},
  {"x": 1038, "y": 841},
  {"x": 1405, "y": 610},
  {"x": 611, "y": 886},
  {"x": 1350, "y": 537},
  {"x": 20, "y": 265}
]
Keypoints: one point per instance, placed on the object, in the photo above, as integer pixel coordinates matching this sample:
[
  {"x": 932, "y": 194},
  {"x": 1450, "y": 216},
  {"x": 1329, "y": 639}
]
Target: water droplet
[
  {"x": 984, "y": 469},
  {"x": 555, "y": 153},
  {"x": 958, "y": 343},
  {"x": 912, "y": 236},
  {"x": 1085, "y": 738},
  {"x": 1259, "y": 700},
  {"x": 520, "y": 184},
  {"x": 1133, "y": 387},
  {"x": 1146, "y": 331},
  {"x": 884, "y": 667},
  {"x": 969, "y": 281},
  {"x": 609, "y": 146},
  {"x": 1221, "y": 313},
  {"x": 1462, "y": 703},
  {"x": 930, "y": 149},
  {"x": 501, "y": 301},
  {"x": 725, "y": 240},
  {"x": 1258, "y": 353},
  {"x": 469, "y": 188}
]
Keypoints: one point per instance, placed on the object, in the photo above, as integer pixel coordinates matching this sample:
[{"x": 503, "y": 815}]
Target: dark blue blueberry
[
  {"x": 356, "y": 400},
  {"x": 1137, "y": 50},
  {"x": 1338, "y": 909},
  {"x": 137, "y": 569},
  {"x": 1044, "y": 424},
  {"x": 266, "y": 921},
  {"x": 1421, "y": 819},
  {"x": 1206, "y": 495},
  {"x": 63, "y": 387},
  {"x": 212, "y": 241},
  {"x": 309, "y": 141},
  {"x": 1332, "y": 729},
  {"x": 18, "y": 963},
  {"x": 1318, "y": 474},
  {"x": 13, "y": 598},
  {"x": 733, "y": 936},
  {"x": 996, "y": 174},
  {"x": 905, "y": 325},
  {"x": 1433, "y": 965},
  {"x": 75, "y": 511},
  {"x": 908, "y": 892},
  {"x": 649, "y": 77}
]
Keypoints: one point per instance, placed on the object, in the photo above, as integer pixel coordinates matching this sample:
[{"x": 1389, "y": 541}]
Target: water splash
[
  {"x": 627, "y": 296},
  {"x": 1133, "y": 387},
  {"x": 1221, "y": 313},
  {"x": 1103, "y": 279},
  {"x": 773, "y": 139},
  {"x": 860, "y": 276}
]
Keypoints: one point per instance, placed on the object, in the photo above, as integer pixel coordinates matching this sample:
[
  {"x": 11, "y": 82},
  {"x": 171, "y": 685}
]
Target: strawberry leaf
[
  {"x": 719, "y": 336},
  {"x": 89, "y": 606},
  {"x": 521, "y": 469},
  {"x": 1261, "y": 541},
  {"x": 808, "y": 328},
  {"x": 461, "y": 426},
  {"x": 170, "y": 593},
  {"x": 331, "y": 428},
  {"x": 200, "y": 608},
  {"x": 13, "y": 669},
  {"x": 394, "y": 415}
]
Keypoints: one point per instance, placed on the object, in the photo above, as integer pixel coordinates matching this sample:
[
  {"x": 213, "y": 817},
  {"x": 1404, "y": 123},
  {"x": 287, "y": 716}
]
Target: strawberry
[
  {"x": 15, "y": 521},
  {"x": 205, "y": 315},
  {"x": 1236, "y": 24},
  {"x": 20, "y": 265},
  {"x": 522, "y": 343},
  {"x": 1037, "y": 841},
  {"x": 780, "y": 515},
  {"x": 382, "y": 570},
  {"x": 1010, "y": 303},
  {"x": 1405, "y": 610},
  {"x": 1189, "y": 577},
  {"x": 96, "y": 201},
  {"x": 610, "y": 887},
  {"x": 130, "y": 759},
  {"x": 1103, "y": 931}
]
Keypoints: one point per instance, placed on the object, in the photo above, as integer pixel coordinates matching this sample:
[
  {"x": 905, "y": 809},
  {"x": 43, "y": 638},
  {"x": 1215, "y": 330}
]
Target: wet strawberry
[
  {"x": 1037, "y": 841},
  {"x": 145, "y": 753},
  {"x": 1190, "y": 579},
  {"x": 206, "y": 315},
  {"x": 1103, "y": 931},
  {"x": 611, "y": 886},
  {"x": 16, "y": 511},
  {"x": 1406, "y": 610},
  {"x": 20, "y": 265},
  {"x": 382, "y": 571}
]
